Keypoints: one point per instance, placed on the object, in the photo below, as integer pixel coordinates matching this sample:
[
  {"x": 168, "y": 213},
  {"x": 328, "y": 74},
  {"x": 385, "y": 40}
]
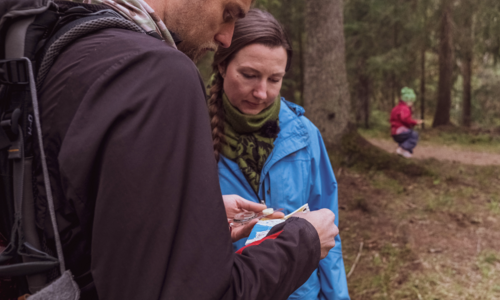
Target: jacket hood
[
  {"x": 291, "y": 127},
  {"x": 297, "y": 109},
  {"x": 293, "y": 134}
]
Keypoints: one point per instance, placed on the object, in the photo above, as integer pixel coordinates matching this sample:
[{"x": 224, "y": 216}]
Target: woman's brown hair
[{"x": 258, "y": 27}]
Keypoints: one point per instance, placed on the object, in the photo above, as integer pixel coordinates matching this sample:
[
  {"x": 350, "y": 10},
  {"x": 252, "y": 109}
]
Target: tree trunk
[
  {"x": 326, "y": 91},
  {"x": 364, "y": 99},
  {"x": 467, "y": 70},
  {"x": 362, "y": 88},
  {"x": 422, "y": 85},
  {"x": 422, "y": 64},
  {"x": 394, "y": 94},
  {"x": 467, "y": 75},
  {"x": 301, "y": 62},
  {"x": 442, "y": 116}
]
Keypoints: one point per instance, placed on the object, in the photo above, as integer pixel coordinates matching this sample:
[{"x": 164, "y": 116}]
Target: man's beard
[{"x": 196, "y": 52}]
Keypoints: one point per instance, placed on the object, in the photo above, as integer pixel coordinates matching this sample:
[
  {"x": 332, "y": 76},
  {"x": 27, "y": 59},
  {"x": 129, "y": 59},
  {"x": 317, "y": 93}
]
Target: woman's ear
[{"x": 222, "y": 70}]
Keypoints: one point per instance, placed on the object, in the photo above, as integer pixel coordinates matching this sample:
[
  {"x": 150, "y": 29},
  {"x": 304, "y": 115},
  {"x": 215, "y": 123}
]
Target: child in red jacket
[{"x": 402, "y": 123}]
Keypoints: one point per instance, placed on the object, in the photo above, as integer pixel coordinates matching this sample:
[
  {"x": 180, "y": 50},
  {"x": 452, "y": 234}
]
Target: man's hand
[
  {"x": 234, "y": 204},
  {"x": 323, "y": 222}
]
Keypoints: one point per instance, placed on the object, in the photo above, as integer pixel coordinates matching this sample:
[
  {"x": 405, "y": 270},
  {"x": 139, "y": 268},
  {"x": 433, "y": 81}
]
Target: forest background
[
  {"x": 391, "y": 44},
  {"x": 426, "y": 228}
]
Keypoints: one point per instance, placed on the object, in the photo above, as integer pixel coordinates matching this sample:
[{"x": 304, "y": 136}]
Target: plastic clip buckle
[
  {"x": 13, "y": 71},
  {"x": 12, "y": 126}
]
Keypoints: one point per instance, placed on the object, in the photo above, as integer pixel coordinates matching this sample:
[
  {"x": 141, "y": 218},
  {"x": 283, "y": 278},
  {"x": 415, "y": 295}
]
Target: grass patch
[
  {"x": 389, "y": 279},
  {"x": 442, "y": 202},
  {"x": 357, "y": 153},
  {"x": 426, "y": 237},
  {"x": 494, "y": 204},
  {"x": 383, "y": 182}
]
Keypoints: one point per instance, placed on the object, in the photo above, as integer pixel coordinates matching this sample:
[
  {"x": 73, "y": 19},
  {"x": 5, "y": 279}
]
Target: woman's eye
[
  {"x": 248, "y": 76},
  {"x": 275, "y": 80}
]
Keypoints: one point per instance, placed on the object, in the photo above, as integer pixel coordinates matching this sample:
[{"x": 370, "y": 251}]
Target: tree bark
[
  {"x": 422, "y": 85},
  {"x": 467, "y": 70},
  {"x": 394, "y": 93},
  {"x": 467, "y": 93},
  {"x": 364, "y": 99},
  {"x": 326, "y": 91},
  {"x": 422, "y": 64},
  {"x": 362, "y": 92},
  {"x": 301, "y": 62},
  {"x": 442, "y": 115}
]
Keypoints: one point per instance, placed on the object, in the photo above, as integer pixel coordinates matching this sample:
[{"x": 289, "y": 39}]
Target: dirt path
[{"x": 443, "y": 153}]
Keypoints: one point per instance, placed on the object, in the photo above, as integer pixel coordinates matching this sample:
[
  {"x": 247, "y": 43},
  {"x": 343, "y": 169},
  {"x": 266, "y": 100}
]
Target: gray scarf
[{"x": 139, "y": 12}]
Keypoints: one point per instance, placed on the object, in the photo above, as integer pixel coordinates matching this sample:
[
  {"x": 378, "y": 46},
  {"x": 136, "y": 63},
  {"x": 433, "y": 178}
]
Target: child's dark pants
[{"x": 407, "y": 140}]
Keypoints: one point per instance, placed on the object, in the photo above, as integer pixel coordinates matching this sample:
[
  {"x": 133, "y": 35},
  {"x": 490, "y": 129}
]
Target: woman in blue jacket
[{"x": 267, "y": 151}]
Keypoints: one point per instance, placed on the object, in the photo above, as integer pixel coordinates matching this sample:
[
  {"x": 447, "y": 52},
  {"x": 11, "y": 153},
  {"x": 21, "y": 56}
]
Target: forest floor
[
  {"x": 440, "y": 152},
  {"x": 435, "y": 236}
]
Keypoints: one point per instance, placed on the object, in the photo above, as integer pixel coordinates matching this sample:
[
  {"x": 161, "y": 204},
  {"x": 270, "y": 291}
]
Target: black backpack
[{"x": 32, "y": 34}]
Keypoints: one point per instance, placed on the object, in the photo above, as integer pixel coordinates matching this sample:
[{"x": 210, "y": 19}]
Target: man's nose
[
  {"x": 225, "y": 34},
  {"x": 260, "y": 91}
]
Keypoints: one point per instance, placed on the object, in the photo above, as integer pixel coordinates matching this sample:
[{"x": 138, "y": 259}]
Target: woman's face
[{"x": 252, "y": 80}]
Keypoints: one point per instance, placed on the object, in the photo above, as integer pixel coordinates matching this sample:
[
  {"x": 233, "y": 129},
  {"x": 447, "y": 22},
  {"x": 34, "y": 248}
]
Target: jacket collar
[
  {"x": 401, "y": 102},
  {"x": 298, "y": 110},
  {"x": 293, "y": 135}
]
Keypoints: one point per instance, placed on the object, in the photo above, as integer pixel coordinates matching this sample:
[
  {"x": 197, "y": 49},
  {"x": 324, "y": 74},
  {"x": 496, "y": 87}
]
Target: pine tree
[
  {"x": 326, "y": 91},
  {"x": 446, "y": 60}
]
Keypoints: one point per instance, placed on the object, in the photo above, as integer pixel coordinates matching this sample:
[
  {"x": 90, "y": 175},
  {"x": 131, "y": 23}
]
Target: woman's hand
[{"x": 234, "y": 204}]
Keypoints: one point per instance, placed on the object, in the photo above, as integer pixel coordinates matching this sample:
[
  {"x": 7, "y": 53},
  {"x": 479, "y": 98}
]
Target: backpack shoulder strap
[{"x": 74, "y": 30}]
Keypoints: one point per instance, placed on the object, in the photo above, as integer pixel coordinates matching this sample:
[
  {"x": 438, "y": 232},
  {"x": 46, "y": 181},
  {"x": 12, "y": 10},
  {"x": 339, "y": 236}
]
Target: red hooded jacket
[{"x": 401, "y": 117}]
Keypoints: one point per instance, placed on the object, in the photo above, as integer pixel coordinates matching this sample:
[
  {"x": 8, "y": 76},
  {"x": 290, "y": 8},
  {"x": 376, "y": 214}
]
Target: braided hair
[
  {"x": 258, "y": 27},
  {"x": 216, "y": 112}
]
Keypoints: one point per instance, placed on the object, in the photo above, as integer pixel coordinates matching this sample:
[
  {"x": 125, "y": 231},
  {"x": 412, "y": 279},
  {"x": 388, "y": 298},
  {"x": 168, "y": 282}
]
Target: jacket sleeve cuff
[{"x": 307, "y": 231}]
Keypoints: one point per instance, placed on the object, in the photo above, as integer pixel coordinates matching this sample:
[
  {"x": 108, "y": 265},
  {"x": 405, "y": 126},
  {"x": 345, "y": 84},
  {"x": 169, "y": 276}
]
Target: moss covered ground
[{"x": 430, "y": 229}]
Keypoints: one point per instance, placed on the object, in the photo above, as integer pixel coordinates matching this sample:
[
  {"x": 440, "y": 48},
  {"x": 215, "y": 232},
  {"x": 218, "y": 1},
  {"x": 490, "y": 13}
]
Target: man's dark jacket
[{"x": 141, "y": 216}]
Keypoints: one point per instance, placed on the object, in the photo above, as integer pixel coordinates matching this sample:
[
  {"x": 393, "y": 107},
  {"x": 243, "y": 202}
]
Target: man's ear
[{"x": 222, "y": 70}]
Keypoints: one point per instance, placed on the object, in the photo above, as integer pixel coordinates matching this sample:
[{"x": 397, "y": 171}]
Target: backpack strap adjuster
[
  {"x": 12, "y": 123},
  {"x": 13, "y": 71}
]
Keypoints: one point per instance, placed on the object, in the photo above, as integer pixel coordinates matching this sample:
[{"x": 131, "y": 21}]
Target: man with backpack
[{"x": 127, "y": 142}]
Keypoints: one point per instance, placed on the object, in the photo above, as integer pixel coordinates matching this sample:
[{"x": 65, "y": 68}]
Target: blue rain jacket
[{"x": 298, "y": 171}]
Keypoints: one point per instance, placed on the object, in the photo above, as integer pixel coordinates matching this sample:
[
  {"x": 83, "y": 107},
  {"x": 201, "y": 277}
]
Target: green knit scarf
[{"x": 250, "y": 138}]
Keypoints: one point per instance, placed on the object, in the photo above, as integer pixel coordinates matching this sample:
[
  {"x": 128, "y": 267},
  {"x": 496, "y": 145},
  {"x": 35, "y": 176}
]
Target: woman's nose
[{"x": 260, "y": 91}]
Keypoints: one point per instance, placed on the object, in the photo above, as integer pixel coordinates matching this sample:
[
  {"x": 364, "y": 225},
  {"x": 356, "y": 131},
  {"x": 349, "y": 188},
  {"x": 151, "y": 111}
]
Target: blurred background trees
[{"x": 448, "y": 51}]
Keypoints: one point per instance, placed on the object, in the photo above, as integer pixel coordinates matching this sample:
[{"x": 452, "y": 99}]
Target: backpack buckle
[
  {"x": 13, "y": 71},
  {"x": 12, "y": 123},
  {"x": 10, "y": 127}
]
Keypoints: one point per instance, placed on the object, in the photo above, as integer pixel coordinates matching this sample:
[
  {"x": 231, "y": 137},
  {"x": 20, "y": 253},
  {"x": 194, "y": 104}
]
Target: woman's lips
[{"x": 251, "y": 104}]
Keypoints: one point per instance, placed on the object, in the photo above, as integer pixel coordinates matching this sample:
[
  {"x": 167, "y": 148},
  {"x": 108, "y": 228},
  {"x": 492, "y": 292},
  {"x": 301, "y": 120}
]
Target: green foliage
[{"x": 384, "y": 43}]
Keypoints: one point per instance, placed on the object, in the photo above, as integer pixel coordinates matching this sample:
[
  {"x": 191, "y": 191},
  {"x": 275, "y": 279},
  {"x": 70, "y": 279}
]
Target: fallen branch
[{"x": 356, "y": 260}]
